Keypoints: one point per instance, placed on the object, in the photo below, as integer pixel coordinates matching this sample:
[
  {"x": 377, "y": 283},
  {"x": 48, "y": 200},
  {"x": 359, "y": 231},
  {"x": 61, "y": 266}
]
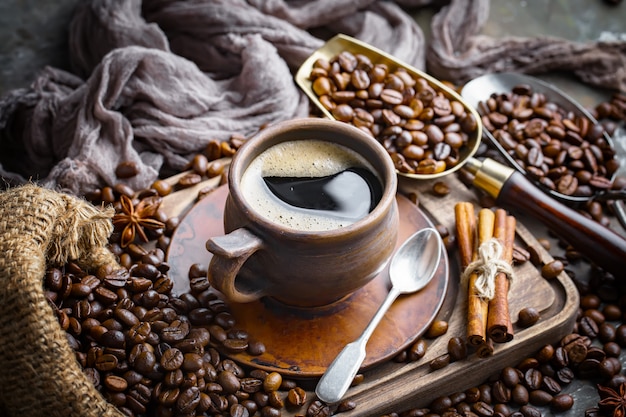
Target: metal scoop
[
  {"x": 480, "y": 89},
  {"x": 510, "y": 188},
  {"x": 411, "y": 269}
]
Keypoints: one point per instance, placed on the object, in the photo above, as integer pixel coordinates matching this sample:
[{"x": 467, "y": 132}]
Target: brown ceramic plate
[
  {"x": 301, "y": 343},
  {"x": 341, "y": 43}
]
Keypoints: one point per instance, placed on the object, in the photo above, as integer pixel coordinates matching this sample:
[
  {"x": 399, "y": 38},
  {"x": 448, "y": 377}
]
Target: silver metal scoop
[
  {"x": 481, "y": 88},
  {"x": 411, "y": 269}
]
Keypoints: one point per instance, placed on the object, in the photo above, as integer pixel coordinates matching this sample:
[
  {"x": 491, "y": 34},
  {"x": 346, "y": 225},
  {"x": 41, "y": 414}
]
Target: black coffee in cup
[{"x": 311, "y": 185}]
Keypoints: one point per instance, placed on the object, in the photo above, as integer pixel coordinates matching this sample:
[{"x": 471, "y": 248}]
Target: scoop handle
[{"x": 514, "y": 191}]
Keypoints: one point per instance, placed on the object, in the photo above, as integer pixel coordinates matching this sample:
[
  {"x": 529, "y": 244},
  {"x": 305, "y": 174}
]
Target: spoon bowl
[
  {"x": 415, "y": 262},
  {"x": 411, "y": 269}
]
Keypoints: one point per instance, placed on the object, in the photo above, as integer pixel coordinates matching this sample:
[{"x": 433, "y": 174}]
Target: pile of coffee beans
[
  {"x": 151, "y": 353},
  {"x": 423, "y": 128},
  {"x": 563, "y": 151}
]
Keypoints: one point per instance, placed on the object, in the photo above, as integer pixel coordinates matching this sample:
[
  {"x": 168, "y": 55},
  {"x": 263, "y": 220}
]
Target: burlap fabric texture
[{"x": 39, "y": 374}]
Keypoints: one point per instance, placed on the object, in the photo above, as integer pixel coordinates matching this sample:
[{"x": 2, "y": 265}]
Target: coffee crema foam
[{"x": 301, "y": 158}]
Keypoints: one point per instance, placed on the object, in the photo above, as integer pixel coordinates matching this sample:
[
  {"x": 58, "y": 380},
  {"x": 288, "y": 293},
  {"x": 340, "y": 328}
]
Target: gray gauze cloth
[{"x": 153, "y": 83}]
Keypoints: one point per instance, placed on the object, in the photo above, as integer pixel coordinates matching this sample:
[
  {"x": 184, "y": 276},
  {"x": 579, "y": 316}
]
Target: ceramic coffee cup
[{"x": 311, "y": 215}]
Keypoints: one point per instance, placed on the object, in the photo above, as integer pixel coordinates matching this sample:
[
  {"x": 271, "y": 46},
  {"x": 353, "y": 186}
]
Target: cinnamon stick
[
  {"x": 465, "y": 231},
  {"x": 477, "y": 305},
  {"x": 499, "y": 326},
  {"x": 485, "y": 349}
]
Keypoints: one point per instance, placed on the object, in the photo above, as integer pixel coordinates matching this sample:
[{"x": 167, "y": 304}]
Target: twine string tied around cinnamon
[{"x": 487, "y": 265}]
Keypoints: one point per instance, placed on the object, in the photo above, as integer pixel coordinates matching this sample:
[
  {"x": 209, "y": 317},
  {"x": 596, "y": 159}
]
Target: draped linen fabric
[{"x": 152, "y": 82}]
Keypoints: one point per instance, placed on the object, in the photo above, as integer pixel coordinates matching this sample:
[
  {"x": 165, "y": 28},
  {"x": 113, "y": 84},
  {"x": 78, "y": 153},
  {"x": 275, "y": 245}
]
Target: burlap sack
[{"x": 39, "y": 374}]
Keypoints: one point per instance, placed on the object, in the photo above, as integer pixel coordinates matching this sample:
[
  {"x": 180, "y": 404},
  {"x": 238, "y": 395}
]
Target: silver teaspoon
[{"x": 411, "y": 269}]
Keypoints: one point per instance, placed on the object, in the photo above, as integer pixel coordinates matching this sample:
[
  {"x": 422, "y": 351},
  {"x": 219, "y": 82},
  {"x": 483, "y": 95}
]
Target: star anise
[
  {"x": 613, "y": 401},
  {"x": 132, "y": 219}
]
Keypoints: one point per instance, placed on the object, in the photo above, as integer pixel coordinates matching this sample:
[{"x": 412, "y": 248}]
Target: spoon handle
[
  {"x": 340, "y": 373},
  {"x": 601, "y": 245}
]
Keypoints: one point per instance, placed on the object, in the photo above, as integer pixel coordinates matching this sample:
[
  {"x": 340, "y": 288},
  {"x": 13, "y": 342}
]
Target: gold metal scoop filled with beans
[{"x": 430, "y": 131}]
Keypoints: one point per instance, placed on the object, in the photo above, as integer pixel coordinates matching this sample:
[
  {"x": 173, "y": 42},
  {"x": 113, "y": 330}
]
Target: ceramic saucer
[{"x": 302, "y": 342}]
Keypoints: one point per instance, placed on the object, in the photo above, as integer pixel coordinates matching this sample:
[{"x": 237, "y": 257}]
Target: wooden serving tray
[{"x": 394, "y": 387}]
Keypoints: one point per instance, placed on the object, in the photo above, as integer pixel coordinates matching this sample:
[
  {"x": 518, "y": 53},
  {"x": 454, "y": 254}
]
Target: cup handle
[{"x": 230, "y": 252}]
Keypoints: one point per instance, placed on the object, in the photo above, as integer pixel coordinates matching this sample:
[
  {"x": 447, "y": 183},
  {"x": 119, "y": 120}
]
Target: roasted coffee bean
[
  {"x": 500, "y": 392},
  {"x": 171, "y": 359},
  {"x": 272, "y": 382},
  {"x": 417, "y": 350},
  {"x": 510, "y": 377},
  {"x": 345, "y": 406},
  {"x": 188, "y": 400},
  {"x": 436, "y": 329},
  {"x": 609, "y": 367},
  {"x": 457, "y": 349},
  {"x": 527, "y": 363},
  {"x": 539, "y": 398},
  {"x": 533, "y": 379},
  {"x": 595, "y": 314},
  {"x": 235, "y": 345},
  {"x": 587, "y": 327},
  {"x": 547, "y": 370},
  {"x": 296, "y": 396},
  {"x": 588, "y": 368},
  {"x": 482, "y": 409},
  {"x": 565, "y": 375},
  {"x": 560, "y": 358},
  {"x": 616, "y": 381},
  {"x": 562, "y": 402},
  {"x": 612, "y": 312},
  {"x": 530, "y": 411},
  {"x": 440, "y": 362},
  {"x": 550, "y": 385},
  {"x": 106, "y": 362},
  {"x": 256, "y": 347},
  {"x": 441, "y": 189},
  {"x": 123, "y": 189},
  {"x": 545, "y": 353},
  {"x": 441, "y": 404},
  {"x": 176, "y": 331},
  {"x": 576, "y": 351},
  {"x": 275, "y": 400},
  {"x": 189, "y": 180},
  {"x": 113, "y": 339},
  {"x": 126, "y": 169},
  {"x": 520, "y": 255},
  {"x": 527, "y": 317},
  {"x": 485, "y": 393},
  {"x": 162, "y": 187},
  {"x": 612, "y": 349},
  {"x": 318, "y": 409},
  {"x": 552, "y": 269},
  {"x": 620, "y": 335}
]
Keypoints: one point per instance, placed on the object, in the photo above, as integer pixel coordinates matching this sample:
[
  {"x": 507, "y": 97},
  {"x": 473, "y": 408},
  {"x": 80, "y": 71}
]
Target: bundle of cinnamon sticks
[{"x": 482, "y": 238}]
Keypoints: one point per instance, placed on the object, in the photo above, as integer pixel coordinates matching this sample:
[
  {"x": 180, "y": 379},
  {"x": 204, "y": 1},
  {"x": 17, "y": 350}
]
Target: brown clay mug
[{"x": 328, "y": 253}]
